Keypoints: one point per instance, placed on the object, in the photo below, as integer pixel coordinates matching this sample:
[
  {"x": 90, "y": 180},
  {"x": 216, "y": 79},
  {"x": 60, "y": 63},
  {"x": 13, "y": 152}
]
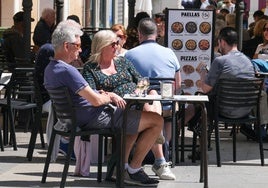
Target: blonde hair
[
  {"x": 100, "y": 40},
  {"x": 265, "y": 41}
]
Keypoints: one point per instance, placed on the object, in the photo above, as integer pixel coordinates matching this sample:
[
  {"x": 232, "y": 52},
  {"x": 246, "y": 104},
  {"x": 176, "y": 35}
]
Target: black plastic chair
[
  {"x": 1, "y": 138},
  {"x": 1, "y": 141},
  {"x": 19, "y": 95},
  {"x": 237, "y": 93},
  {"x": 37, "y": 128},
  {"x": 65, "y": 112}
]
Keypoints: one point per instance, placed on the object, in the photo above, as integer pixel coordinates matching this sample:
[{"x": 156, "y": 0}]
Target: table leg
[
  {"x": 182, "y": 131},
  {"x": 174, "y": 136},
  {"x": 120, "y": 172},
  {"x": 204, "y": 158}
]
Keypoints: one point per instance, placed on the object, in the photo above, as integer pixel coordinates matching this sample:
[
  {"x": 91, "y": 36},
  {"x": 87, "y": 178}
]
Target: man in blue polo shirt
[{"x": 155, "y": 61}]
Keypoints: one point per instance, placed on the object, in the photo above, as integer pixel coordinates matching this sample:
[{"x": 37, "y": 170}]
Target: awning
[{"x": 144, "y": 6}]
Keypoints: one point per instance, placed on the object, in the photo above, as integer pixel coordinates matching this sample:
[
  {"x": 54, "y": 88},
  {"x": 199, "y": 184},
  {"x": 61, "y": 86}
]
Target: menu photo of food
[
  {"x": 177, "y": 27},
  {"x": 188, "y": 69},
  {"x": 191, "y": 27},
  {"x": 188, "y": 82},
  {"x": 177, "y": 44},
  {"x": 203, "y": 44},
  {"x": 198, "y": 83},
  {"x": 190, "y": 44},
  {"x": 205, "y": 27}
]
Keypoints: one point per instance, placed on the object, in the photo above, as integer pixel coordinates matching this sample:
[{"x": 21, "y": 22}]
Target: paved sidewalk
[{"x": 16, "y": 171}]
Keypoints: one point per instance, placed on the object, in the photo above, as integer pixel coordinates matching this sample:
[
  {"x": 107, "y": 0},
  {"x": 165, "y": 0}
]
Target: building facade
[{"x": 92, "y": 13}]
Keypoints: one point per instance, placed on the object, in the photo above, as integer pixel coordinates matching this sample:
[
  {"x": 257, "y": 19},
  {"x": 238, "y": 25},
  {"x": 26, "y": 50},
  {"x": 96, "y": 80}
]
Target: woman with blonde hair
[{"x": 117, "y": 76}]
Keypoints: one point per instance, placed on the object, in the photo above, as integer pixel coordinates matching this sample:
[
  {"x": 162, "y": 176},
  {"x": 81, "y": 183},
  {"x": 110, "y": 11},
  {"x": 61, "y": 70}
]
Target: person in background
[
  {"x": 43, "y": 57},
  {"x": 249, "y": 46},
  {"x": 132, "y": 33},
  {"x": 12, "y": 43},
  {"x": 44, "y": 28},
  {"x": 155, "y": 61},
  {"x": 160, "y": 22},
  {"x": 265, "y": 9},
  {"x": 142, "y": 128},
  {"x": 204, "y": 4},
  {"x": 257, "y": 15},
  {"x": 262, "y": 49},
  {"x": 227, "y": 4},
  {"x": 219, "y": 24},
  {"x": 121, "y": 34},
  {"x": 231, "y": 22},
  {"x": 245, "y": 16},
  {"x": 224, "y": 12},
  {"x": 85, "y": 41}
]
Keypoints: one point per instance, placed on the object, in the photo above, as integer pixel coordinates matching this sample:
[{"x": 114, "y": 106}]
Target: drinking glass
[
  {"x": 146, "y": 83},
  {"x": 140, "y": 87}
]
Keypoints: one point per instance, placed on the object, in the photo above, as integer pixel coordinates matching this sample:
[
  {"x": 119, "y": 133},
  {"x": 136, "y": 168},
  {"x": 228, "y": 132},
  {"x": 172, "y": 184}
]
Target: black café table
[{"x": 182, "y": 99}]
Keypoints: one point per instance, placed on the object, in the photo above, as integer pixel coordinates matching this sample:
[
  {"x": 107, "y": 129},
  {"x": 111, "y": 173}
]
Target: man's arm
[
  {"x": 205, "y": 88},
  {"x": 96, "y": 99}
]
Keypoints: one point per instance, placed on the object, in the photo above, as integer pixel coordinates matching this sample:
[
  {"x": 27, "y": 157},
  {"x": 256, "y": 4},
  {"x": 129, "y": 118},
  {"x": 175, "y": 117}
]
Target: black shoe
[
  {"x": 248, "y": 132},
  {"x": 197, "y": 155},
  {"x": 140, "y": 178}
]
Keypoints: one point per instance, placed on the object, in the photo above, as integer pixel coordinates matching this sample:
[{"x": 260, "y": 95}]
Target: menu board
[{"x": 189, "y": 33}]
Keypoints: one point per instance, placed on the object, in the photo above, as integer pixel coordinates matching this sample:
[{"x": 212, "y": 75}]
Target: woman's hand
[{"x": 117, "y": 100}]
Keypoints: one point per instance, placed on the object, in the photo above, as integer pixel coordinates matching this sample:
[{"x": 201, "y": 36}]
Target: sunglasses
[
  {"x": 121, "y": 36},
  {"x": 114, "y": 43},
  {"x": 265, "y": 29},
  {"x": 77, "y": 45}
]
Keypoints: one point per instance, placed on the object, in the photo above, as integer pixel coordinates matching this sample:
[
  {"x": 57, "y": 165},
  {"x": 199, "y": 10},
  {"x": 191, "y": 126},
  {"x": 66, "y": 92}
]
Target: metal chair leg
[{"x": 48, "y": 158}]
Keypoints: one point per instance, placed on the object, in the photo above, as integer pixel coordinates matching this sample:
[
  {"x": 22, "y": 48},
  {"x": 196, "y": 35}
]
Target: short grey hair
[
  {"x": 66, "y": 31},
  {"x": 147, "y": 27},
  {"x": 47, "y": 12},
  {"x": 100, "y": 40}
]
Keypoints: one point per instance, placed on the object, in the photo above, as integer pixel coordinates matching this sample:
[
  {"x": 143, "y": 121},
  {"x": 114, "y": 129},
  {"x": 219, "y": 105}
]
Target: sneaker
[
  {"x": 63, "y": 150},
  {"x": 164, "y": 171},
  {"x": 139, "y": 178}
]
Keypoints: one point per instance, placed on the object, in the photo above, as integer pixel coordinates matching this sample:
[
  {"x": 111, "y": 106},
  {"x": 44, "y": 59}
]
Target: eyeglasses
[
  {"x": 265, "y": 29},
  {"x": 77, "y": 45},
  {"x": 114, "y": 43}
]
